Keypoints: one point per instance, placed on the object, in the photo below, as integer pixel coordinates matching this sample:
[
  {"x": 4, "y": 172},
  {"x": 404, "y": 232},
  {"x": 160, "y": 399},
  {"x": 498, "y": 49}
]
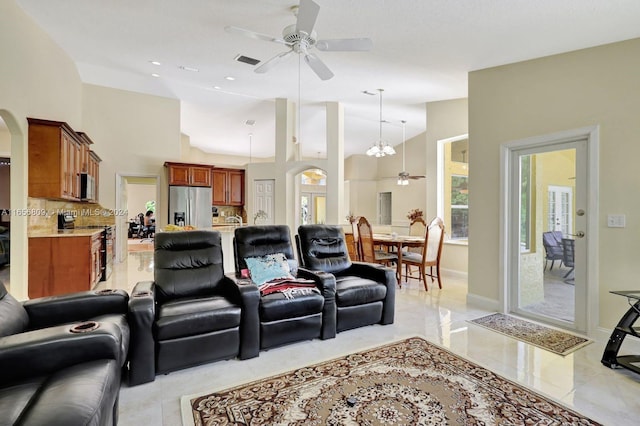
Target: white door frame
[
  {"x": 507, "y": 268},
  {"x": 122, "y": 221}
]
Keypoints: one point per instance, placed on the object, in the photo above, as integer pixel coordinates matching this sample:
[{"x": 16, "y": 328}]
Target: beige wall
[
  {"x": 597, "y": 86},
  {"x": 137, "y": 197},
  {"x": 37, "y": 79},
  {"x": 445, "y": 119}
]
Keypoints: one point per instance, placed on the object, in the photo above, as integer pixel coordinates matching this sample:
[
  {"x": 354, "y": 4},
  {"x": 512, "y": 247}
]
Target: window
[{"x": 453, "y": 186}]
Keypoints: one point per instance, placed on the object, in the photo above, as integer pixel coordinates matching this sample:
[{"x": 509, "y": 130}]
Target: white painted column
[
  {"x": 335, "y": 163},
  {"x": 285, "y": 152}
]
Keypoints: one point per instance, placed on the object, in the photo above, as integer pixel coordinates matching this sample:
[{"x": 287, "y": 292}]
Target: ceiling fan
[
  {"x": 301, "y": 39},
  {"x": 403, "y": 177}
]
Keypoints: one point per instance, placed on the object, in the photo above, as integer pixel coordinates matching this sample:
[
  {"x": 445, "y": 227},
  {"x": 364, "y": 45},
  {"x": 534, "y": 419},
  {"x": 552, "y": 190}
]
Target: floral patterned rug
[
  {"x": 411, "y": 382},
  {"x": 547, "y": 338}
]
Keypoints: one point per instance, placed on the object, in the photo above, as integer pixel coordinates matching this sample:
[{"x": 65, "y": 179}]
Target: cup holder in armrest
[
  {"x": 106, "y": 291},
  {"x": 84, "y": 327},
  {"x": 141, "y": 294}
]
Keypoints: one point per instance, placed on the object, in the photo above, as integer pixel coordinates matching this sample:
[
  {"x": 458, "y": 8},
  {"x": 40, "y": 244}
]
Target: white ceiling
[{"x": 423, "y": 50}]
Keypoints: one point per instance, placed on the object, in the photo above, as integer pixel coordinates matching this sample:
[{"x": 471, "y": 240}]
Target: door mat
[
  {"x": 556, "y": 341},
  {"x": 410, "y": 382}
]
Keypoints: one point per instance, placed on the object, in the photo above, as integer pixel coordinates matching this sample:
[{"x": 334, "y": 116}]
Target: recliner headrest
[{"x": 323, "y": 247}]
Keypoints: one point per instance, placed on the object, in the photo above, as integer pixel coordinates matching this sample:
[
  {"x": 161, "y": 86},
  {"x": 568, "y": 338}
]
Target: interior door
[
  {"x": 264, "y": 190},
  {"x": 548, "y": 187}
]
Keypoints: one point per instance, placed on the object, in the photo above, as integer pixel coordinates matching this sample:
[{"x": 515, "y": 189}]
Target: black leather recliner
[
  {"x": 55, "y": 367},
  {"x": 284, "y": 320},
  {"x": 191, "y": 313},
  {"x": 365, "y": 292}
]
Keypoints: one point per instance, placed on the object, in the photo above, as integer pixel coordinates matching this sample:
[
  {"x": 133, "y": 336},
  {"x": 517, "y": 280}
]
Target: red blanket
[{"x": 289, "y": 287}]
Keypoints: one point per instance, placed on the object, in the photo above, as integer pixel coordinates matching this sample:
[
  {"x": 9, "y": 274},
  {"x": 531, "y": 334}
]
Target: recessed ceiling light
[
  {"x": 155, "y": 75},
  {"x": 155, "y": 63},
  {"x": 229, "y": 78},
  {"x": 216, "y": 87},
  {"x": 182, "y": 67}
]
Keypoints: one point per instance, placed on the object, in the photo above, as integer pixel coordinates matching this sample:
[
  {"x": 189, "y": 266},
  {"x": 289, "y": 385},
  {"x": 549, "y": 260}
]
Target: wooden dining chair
[
  {"x": 368, "y": 253},
  {"x": 429, "y": 256},
  {"x": 356, "y": 239},
  {"x": 417, "y": 228}
]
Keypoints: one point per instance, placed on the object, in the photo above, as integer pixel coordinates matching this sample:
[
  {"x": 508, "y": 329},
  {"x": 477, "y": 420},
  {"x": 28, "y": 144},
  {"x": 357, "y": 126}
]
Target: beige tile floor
[{"x": 578, "y": 380}]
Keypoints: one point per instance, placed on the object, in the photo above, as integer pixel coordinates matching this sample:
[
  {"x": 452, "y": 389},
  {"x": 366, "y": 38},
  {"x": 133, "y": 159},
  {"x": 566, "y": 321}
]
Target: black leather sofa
[
  {"x": 365, "y": 292},
  {"x": 191, "y": 313},
  {"x": 57, "y": 368},
  {"x": 285, "y": 320}
]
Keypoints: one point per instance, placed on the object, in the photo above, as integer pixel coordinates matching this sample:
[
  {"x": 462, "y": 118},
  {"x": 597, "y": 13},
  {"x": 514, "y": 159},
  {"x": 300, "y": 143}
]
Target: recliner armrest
[
  {"x": 326, "y": 282},
  {"x": 141, "y": 316},
  {"x": 381, "y": 274},
  {"x": 80, "y": 306},
  {"x": 248, "y": 295},
  {"x": 43, "y": 351}
]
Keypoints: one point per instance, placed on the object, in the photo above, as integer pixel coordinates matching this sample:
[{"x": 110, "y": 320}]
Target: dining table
[{"x": 398, "y": 242}]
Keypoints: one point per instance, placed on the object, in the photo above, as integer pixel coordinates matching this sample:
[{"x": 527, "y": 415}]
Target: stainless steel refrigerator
[{"x": 190, "y": 205}]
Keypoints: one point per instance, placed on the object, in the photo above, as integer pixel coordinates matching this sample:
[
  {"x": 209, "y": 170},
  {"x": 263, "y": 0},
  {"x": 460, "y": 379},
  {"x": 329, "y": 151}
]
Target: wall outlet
[
  {"x": 616, "y": 220},
  {"x": 222, "y": 213}
]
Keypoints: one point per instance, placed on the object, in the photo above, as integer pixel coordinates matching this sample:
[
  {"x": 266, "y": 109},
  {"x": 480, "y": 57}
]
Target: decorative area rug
[
  {"x": 411, "y": 382},
  {"x": 555, "y": 341}
]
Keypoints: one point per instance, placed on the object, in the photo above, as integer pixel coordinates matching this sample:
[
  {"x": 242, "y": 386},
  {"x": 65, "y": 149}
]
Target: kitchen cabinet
[
  {"x": 228, "y": 187},
  {"x": 183, "y": 174},
  {"x": 64, "y": 264},
  {"x": 57, "y": 156}
]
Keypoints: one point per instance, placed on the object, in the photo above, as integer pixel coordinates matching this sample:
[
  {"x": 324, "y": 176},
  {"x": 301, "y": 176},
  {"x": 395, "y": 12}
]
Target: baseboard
[
  {"x": 455, "y": 273},
  {"x": 483, "y": 302}
]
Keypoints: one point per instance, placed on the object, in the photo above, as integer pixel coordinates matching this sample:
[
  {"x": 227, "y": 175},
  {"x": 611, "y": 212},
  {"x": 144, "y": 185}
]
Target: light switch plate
[{"x": 616, "y": 221}]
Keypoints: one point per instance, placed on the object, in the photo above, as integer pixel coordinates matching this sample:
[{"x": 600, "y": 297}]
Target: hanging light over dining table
[{"x": 381, "y": 148}]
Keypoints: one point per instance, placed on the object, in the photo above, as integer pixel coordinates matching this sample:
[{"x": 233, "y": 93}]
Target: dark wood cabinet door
[
  {"x": 179, "y": 175},
  {"x": 236, "y": 187},
  {"x": 219, "y": 185},
  {"x": 200, "y": 176}
]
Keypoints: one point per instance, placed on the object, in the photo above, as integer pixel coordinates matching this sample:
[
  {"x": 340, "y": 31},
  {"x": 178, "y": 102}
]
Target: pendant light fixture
[
  {"x": 403, "y": 176},
  {"x": 380, "y": 148}
]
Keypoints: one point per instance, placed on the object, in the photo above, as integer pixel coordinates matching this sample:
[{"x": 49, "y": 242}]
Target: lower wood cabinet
[{"x": 64, "y": 264}]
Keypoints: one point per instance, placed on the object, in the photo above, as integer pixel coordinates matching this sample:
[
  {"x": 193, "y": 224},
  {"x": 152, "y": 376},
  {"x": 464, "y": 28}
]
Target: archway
[
  {"x": 16, "y": 150},
  {"x": 311, "y": 200}
]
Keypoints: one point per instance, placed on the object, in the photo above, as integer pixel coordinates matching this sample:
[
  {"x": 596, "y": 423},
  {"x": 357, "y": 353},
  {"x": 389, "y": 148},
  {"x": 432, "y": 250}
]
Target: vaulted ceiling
[{"x": 422, "y": 52}]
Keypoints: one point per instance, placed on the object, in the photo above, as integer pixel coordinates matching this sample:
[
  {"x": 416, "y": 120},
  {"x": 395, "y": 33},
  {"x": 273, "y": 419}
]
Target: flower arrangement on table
[{"x": 414, "y": 214}]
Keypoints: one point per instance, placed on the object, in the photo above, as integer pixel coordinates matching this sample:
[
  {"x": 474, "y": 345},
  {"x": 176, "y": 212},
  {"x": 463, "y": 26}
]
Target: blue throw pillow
[{"x": 266, "y": 268}]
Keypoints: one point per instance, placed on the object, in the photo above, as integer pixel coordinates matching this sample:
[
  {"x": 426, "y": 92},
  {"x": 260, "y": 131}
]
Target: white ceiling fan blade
[
  {"x": 345, "y": 45},
  {"x": 318, "y": 66},
  {"x": 253, "y": 34},
  {"x": 272, "y": 62},
  {"x": 307, "y": 15}
]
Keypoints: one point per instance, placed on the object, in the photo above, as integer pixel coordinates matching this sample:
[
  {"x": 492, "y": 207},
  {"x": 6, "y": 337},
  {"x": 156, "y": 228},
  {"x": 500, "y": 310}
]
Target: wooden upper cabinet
[
  {"x": 183, "y": 174},
  {"x": 55, "y": 160},
  {"x": 236, "y": 187},
  {"x": 228, "y": 187},
  {"x": 219, "y": 181}
]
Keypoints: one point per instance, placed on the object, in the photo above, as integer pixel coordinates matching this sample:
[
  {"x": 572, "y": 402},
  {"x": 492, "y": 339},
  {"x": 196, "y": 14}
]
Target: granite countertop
[{"x": 65, "y": 233}]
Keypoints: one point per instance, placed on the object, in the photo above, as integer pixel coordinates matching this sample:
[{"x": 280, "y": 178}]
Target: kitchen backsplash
[
  {"x": 226, "y": 211},
  {"x": 43, "y": 214}
]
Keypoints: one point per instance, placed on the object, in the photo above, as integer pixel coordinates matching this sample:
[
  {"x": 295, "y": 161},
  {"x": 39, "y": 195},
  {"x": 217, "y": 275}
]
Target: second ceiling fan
[{"x": 301, "y": 39}]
